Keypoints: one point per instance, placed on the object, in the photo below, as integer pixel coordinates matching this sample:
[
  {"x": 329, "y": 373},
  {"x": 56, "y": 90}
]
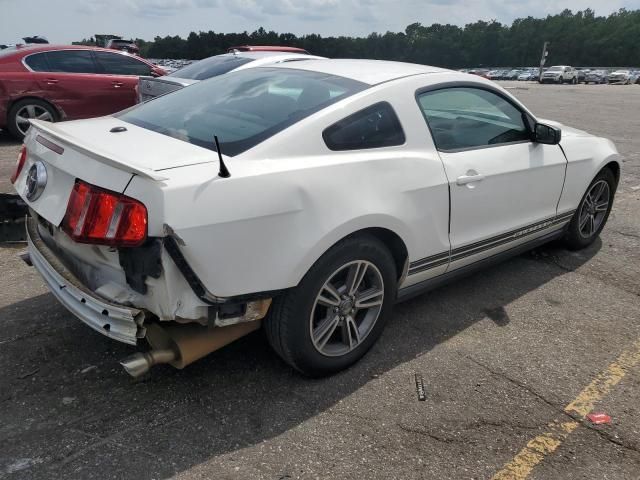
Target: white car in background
[
  {"x": 559, "y": 74},
  {"x": 307, "y": 196},
  {"x": 620, "y": 77},
  {"x": 151, "y": 87}
]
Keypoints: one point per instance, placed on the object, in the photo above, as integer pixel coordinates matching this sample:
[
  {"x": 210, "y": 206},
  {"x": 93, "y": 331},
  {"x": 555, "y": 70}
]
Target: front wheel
[
  {"x": 338, "y": 311},
  {"x": 593, "y": 211}
]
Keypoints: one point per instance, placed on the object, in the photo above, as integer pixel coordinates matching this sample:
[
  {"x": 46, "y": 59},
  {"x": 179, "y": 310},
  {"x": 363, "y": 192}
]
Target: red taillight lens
[
  {"x": 95, "y": 215},
  {"x": 22, "y": 157}
]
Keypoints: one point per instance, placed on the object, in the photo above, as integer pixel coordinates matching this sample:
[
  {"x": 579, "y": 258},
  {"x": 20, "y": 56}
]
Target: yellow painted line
[{"x": 537, "y": 449}]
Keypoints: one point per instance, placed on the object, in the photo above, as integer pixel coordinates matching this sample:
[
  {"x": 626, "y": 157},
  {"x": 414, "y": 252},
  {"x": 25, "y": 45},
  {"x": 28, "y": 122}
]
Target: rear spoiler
[{"x": 91, "y": 151}]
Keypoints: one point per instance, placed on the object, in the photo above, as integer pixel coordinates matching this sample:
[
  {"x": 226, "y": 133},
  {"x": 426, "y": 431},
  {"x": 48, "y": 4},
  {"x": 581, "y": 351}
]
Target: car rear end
[{"x": 107, "y": 256}]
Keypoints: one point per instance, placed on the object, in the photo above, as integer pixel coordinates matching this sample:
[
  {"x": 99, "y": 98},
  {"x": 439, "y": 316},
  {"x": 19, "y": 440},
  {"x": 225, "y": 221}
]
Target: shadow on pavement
[{"x": 237, "y": 397}]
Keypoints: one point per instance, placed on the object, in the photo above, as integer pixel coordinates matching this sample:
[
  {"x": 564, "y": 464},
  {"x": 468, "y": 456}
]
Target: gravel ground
[{"x": 501, "y": 353}]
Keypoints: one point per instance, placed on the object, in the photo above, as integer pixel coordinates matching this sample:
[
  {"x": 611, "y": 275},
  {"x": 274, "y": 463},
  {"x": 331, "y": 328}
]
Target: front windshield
[
  {"x": 555, "y": 69},
  {"x": 242, "y": 108}
]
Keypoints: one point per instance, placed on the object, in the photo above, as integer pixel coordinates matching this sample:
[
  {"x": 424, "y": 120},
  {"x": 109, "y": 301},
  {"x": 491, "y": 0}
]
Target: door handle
[
  {"x": 51, "y": 81},
  {"x": 466, "y": 179},
  {"x": 117, "y": 84}
]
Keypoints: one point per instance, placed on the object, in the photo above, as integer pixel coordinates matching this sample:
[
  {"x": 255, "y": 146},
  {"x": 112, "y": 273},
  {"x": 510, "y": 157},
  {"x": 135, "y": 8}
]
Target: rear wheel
[
  {"x": 29, "y": 109},
  {"x": 593, "y": 211},
  {"x": 338, "y": 311}
]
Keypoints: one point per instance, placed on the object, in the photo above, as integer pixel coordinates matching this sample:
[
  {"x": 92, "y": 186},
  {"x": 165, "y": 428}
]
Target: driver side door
[{"x": 504, "y": 188}]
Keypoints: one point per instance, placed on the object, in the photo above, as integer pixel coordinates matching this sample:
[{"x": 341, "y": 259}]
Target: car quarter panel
[{"x": 290, "y": 199}]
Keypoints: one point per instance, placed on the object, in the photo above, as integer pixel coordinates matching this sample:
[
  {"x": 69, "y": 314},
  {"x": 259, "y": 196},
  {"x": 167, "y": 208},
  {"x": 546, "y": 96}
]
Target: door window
[
  {"x": 464, "y": 118},
  {"x": 120, "y": 64},
  {"x": 71, "y": 61}
]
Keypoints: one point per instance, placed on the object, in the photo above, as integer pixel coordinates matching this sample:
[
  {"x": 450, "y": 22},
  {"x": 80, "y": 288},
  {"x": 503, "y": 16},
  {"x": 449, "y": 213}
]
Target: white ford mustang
[{"x": 306, "y": 197}]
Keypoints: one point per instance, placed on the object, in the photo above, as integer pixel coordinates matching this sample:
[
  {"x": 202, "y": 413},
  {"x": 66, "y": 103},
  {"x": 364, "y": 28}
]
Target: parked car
[
  {"x": 309, "y": 196},
  {"x": 559, "y": 74},
  {"x": 620, "y": 77},
  {"x": 266, "y": 48},
  {"x": 581, "y": 75},
  {"x": 35, "y": 39},
  {"x": 512, "y": 74},
  {"x": 151, "y": 87},
  {"x": 480, "y": 72},
  {"x": 128, "y": 46},
  {"x": 54, "y": 83},
  {"x": 528, "y": 76},
  {"x": 596, "y": 76},
  {"x": 494, "y": 75}
]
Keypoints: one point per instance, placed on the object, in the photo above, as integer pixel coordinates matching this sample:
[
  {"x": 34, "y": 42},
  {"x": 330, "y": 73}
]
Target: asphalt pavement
[{"x": 512, "y": 359}]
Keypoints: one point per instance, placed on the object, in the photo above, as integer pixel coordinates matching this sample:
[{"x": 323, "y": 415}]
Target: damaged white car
[{"x": 305, "y": 198}]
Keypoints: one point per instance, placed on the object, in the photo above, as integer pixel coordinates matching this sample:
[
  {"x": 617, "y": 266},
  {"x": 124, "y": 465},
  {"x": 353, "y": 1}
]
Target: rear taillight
[
  {"x": 95, "y": 215},
  {"x": 22, "y": 157}
]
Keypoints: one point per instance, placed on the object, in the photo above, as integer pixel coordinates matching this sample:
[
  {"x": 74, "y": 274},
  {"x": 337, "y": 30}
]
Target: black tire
[
  {"x": 12, "y": 124},
  {"x": 288, "y": 327},
  {"x": 574, "y": 238},
  {"x": 574, "y": 81}
]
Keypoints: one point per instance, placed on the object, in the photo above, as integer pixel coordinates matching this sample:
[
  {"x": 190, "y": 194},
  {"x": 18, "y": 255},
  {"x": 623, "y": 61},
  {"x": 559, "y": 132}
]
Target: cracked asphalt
[{"x": 501, "y": 353}]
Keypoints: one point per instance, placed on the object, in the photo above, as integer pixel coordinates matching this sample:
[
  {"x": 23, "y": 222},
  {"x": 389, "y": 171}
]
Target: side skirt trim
[
  {"x": 487, "y": 244},
  {"x": 435, "y": 282}
]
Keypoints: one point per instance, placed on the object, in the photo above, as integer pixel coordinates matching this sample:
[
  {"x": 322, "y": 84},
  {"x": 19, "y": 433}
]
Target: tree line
[{"x": 579, "y": 39}]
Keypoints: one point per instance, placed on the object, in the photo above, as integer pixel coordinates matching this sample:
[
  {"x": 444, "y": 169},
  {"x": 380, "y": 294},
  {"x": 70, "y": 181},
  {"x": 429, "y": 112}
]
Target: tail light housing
[
  {"x": 22, "y": 158},
  {"x": 96, "y": 215}
]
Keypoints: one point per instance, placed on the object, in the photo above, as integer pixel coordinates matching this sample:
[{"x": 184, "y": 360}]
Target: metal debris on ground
[
  {"x": 422, "y": 396},
  {"x": 599, "y": 418}
]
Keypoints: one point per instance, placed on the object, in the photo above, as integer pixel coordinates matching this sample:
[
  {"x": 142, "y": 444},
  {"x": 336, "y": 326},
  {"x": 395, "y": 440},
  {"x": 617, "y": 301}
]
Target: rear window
[
  {"x": 211, "y": 67},
  {"x": 242, "y": 108}
]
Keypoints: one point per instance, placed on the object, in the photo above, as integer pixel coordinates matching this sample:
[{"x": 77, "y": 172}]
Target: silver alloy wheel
[
  {"x": 594, "y": 209},
  {"x": 346, "y": 308},
  {"x": 28, "y": 112}
]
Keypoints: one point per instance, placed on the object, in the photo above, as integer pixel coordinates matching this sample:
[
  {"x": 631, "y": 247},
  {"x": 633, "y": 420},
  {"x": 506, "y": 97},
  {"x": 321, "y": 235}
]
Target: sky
[{"x": 63, "y": 21}]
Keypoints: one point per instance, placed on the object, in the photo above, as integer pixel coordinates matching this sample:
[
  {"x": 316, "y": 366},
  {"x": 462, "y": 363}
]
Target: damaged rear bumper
[{"x": 119, "y": 322}]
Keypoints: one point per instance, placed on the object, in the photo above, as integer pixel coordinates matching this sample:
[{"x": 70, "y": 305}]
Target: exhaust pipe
[
  {"x": 139, "y": 363},
  {"x": 182, "y": 344}
]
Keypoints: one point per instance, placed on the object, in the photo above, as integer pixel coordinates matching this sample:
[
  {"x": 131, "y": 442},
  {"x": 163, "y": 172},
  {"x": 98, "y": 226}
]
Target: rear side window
[
  {"x": 71, "y": 61},
  {"x": 119, "y": 64},
  {"x": 463, "y": 118},
  {"x": 37, "y": 62},
  {"x": 373, "y": 127},
  {"x": 211, "y": 67}
]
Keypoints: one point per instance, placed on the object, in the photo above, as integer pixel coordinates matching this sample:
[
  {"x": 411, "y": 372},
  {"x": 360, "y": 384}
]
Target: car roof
[
  {"x": 262, "y": 54},
  {"x": 371, "y": 72},
  {"x": 24, "y": 50},
  {"x": 266, "y": 48}
]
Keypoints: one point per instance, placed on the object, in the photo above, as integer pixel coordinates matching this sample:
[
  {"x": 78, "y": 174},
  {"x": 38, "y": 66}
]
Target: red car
[{"x": 65, "y": 83}]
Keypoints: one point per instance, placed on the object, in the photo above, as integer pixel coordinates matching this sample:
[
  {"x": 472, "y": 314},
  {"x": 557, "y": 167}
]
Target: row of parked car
[
  {"x": 562, "y": 74},
  {"x": 48, "y": 82}
]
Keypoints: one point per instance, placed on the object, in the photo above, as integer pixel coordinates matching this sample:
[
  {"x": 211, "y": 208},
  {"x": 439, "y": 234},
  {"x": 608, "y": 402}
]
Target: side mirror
[{"x": 546, "y": 134}]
